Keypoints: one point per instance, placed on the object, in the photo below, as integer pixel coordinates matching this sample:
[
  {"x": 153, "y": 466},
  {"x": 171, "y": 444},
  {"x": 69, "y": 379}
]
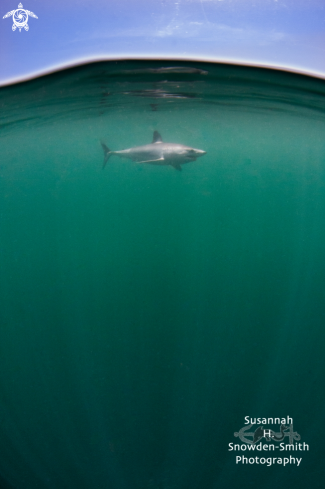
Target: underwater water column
[{"x": 146, "y": 311}]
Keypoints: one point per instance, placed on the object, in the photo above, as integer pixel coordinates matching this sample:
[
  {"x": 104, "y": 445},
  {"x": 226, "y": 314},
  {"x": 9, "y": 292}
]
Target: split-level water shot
[{"x": 162, "y": 244}]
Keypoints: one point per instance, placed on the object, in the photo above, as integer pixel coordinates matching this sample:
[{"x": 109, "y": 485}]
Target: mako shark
[{"x": 157, "y": 153}]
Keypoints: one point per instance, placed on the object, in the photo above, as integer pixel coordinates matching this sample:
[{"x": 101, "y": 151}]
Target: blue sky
[{"x": 281, "y": 33}]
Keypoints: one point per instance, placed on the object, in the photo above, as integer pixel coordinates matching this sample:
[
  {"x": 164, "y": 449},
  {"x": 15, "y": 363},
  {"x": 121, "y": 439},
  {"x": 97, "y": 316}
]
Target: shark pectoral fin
[
  {"x": 177, "y": 166},
  {"x": 151, "y": 161}
]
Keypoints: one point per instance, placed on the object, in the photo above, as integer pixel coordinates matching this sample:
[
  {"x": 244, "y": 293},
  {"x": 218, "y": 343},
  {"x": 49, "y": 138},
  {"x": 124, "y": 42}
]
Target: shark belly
[{"x": 141, "y": 155}]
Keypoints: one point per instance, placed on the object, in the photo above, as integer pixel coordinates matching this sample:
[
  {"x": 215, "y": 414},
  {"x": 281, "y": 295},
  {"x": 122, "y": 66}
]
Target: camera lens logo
[
  {"x": 20, "y": 18},
  {"x": 260, "y": 432}
]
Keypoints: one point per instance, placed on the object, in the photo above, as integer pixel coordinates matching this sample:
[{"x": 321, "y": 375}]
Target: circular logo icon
[{"x": 20, "y": 18}]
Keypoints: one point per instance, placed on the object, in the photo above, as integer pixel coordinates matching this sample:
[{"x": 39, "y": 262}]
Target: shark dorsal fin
[{"x": 156, "y": 137}]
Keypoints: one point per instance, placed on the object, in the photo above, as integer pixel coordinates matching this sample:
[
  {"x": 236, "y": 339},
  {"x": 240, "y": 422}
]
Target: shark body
[{"x": 157, "y": 153}]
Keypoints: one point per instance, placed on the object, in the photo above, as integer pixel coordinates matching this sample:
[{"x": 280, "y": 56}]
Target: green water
[{"x": 145, "y": 311}]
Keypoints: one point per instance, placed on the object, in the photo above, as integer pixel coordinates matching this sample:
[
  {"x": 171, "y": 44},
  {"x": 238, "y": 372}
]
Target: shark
[{"x": 157, "y": 153}]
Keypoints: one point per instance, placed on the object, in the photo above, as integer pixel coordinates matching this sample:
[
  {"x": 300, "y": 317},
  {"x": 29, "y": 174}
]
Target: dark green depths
[{"x": 146, "y": 312}]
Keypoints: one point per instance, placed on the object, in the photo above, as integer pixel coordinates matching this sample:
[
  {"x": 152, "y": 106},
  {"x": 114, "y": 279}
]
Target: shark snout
[{"x": 200, "y": 152}]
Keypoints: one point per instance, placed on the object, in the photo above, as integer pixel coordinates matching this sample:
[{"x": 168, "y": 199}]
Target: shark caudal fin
[{"x": 107, "y": 154}]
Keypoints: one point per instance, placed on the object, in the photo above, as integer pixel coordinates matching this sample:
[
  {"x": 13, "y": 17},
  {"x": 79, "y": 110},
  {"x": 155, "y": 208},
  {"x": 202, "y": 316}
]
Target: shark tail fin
[{"x": 107, "y": 154}]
